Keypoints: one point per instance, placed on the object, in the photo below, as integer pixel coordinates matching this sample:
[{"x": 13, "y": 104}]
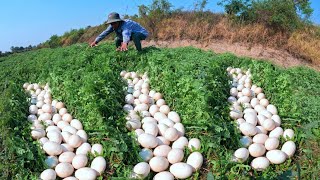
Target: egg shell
[
  {"x": 276, "y": 156},
  {"x": 158, "y": 163},
  {"x": 260, "y": 138},
  {"x": 48, "y": 174},
  {"x": 175, "y": 156},
  {"x": 64, "y": 170},
  {"x": 181, "y": 170},
  {"x": 83, "y": 149},
  {"x": 162, "y": 150},
  {"x": 180, "y": 143},
  {"x": 66, "y": 157},
  {"x": 142, "y": 169},
  {"x": 86, "y": 173},
  {"x": 74, "y": 141},
  {"x": 99, "y": 164},
  {"x": 174, "y": 116},
  {"x": 171, "y": 134},
  {"x": 289, "y": 148},
  {"x": 260, "y": 163},
  {"x": 276, "y": 132},
  {"x": 79, "y": 161},
  {"x": 97, "y": 149},
  {"x": 51, "y": 161},
  {"x": 147, "y": 140},
  {"x": 248, "y": 129},
  {"x": 194, "y": 144},
  {"x": 257, "y": 150},
  {"x": 164, "y": 175},
  {"x": 288, "y": 134},
  {"x": 146, "y": 154},
  {"x": 195, "y": 160},
  {"x": 271, "y": 143},
  {"x": 241, "y": 154},
  {"x": 52, "y": 148},
  {"x": 162, "y": 141},
  {"x": 246, "y": 141}
]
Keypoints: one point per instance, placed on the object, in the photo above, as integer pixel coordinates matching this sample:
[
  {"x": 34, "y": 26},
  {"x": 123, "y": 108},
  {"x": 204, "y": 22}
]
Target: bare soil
[{"x": 276, "y": 56}]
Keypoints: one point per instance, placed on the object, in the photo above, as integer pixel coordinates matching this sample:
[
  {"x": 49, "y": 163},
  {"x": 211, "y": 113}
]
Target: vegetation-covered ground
[{"x": 194, "y": 83}]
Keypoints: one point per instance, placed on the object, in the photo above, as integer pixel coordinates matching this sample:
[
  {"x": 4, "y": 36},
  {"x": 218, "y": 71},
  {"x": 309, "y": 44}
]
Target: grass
[{"x": 194, "y": 83}]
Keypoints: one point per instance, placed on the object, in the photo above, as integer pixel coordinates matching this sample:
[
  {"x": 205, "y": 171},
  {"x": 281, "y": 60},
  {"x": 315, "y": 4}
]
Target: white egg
[
  {"x": 260, "y": 163},
  {"x": 248, "y": 129},
  {"x": 153, "y": 109},
  {"x": 288, "y": 134},
  {"x": 150, "y": 128},
  {"x": 64, "y": 170},
  {"x": 276, "y": 156},
  {"x": 138, "y": 132},
  {"x": 241, "y": 154},
  {"x": 289, "y": 148},
  {"x": 158, "y": 163},
  {"x": 52, "y": 148},
  {"x": 99, "y": 164},
  {"x": 261, "y": 130},
  {"x": 276, "y": 132},
  {"x": 162, "y": 150},
  {"x": 38, "y": 133},
  {"x": 86, "y": 173},
  {"x": 167, "y": 122},
  {"x": 79, "y": 161},
  {"x": 180, "y": 128},
  {"x": 65, "y": 136},
  {"x": 251, "y": 118},
  {"x": 83, "y": 135},
  {"x": 257, "y": 150},
  {"x": 84, "y": 148},
  {"x": 180, "y": 143},
  {"x": 160, "y": 102},
  {"x": 74, "y": 141},
  {"x": 76, "y": 124},
  {"x": 194, "y": 144},
  {"x": 276, "y": 119},
  {"x": 162, "y": 141},
  {"x": 260, "y": 138},
  {"x": 181, "y": 170},
  {"x": 159, "y": 116},
  {"x": 147, "y": 140},
  {"x": 171, "y": 134},
  {"x": 97, "y": 149},
  {"x": 66, "y": 147},
  {"x": 164, "y": 175},
  {"x": 164, "y": 109},
  {"x": 195, "y": 160},
  {"x": 149, "y": 120},
  {"x": 66, "y": 157},
  {"x": 174, "y": 116},
  {"x": 48, "y": 174},
  {"x": 175, "y": 156},
  {"x": 271, "y": 143},
  {"x": 142, "y": 169},
  {"x": 268, "y": 124}
]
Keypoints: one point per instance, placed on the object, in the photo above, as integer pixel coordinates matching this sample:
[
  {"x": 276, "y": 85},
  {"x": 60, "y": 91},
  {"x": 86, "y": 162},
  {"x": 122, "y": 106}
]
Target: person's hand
[
  {"x": 123, "y": 47},
  {"x": 93, "y": 44}
]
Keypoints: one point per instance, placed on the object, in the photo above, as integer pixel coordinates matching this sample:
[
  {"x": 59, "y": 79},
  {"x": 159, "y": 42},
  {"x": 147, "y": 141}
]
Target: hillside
[{"x": 194, "y": 83}]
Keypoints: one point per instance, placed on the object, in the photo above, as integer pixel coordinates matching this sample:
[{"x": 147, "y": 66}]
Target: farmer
[{"x": 126, "y": 30}]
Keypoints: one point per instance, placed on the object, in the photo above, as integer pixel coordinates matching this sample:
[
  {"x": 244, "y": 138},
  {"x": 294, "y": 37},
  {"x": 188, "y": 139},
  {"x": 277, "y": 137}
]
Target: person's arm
[
  {"x": 102, "y": 35},
  {"x": 126, "y": 33}
]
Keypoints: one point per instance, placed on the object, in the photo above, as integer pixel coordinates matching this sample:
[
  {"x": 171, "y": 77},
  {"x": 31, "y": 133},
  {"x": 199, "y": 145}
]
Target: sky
[{"x": 30, "y": 22}]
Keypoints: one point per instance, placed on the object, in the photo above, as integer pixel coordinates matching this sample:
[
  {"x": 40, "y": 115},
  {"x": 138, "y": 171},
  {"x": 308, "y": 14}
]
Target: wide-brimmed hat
[{"x": 113, "y": 17}]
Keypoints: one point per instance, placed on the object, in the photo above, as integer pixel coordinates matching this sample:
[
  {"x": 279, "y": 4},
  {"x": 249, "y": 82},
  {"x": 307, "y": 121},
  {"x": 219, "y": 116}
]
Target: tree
[{"x": 284, "y": 15}]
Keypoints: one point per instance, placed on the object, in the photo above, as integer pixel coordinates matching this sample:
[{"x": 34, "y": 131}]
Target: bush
[{"x": 281, "y": 15}]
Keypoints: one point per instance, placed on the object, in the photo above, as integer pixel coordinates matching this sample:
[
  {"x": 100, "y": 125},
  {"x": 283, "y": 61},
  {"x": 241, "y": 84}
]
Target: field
[{"x": 194, "y": 83}]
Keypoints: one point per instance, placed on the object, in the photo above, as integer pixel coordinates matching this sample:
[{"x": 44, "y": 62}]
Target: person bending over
[{"x": 125, "y": 30}]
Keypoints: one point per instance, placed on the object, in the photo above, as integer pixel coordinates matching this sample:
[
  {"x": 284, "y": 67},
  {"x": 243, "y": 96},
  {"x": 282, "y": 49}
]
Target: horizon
[{"x": 25, "y": 23}]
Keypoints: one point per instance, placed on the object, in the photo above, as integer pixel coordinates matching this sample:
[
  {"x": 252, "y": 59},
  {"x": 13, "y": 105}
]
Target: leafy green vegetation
[{"x": 194, "y": 83}]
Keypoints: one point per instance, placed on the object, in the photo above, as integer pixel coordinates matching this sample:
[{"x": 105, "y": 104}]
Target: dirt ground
[{"x": 278, "y": 57}]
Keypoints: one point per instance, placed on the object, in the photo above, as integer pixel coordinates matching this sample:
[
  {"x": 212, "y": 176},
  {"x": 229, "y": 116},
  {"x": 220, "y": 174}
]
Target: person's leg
[
  {"x": 118, "y": 41},
  {"x": 136, "y": 38}
]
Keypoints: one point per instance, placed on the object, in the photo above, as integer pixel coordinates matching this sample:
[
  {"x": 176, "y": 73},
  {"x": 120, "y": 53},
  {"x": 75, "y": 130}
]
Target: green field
[{"x": 194, "y": 83}]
